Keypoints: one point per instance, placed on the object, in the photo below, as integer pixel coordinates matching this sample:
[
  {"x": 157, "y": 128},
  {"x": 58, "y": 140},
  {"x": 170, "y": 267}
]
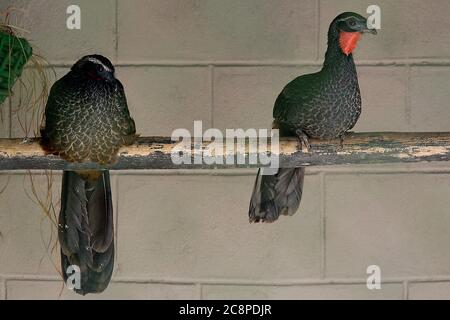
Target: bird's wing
[
  {"x": 294, "y": 102},
  {"x": 53, "y": 111},
  {"x": 126, "y": 123}
]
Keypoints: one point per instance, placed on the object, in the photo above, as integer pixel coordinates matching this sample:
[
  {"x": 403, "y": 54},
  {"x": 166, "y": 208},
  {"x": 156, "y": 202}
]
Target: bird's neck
[{"x": 336, "y": 60}]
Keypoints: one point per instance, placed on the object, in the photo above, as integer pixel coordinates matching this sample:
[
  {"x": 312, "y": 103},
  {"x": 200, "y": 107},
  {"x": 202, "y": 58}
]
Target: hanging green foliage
[{"x": 14, "y": 54}]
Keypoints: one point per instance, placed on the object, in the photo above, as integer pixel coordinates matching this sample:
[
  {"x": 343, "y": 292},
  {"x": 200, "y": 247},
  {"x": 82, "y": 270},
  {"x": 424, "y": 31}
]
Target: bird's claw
[
  {"x": 25, "y": 140},
  {"x": 303, "y": 140},
  {"x": 341, "y": 142}
]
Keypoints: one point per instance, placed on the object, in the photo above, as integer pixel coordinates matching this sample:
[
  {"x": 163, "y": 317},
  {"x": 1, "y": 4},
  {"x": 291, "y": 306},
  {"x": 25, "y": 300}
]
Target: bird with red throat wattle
[{"x": 322, "y": 105}]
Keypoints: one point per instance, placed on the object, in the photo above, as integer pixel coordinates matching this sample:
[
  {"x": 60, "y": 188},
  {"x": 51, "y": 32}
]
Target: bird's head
[
  {"x": 348, "y": 27},
  {"x": 96, "y": 67}
]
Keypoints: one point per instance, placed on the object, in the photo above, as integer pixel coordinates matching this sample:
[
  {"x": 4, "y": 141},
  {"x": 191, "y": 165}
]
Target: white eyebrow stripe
[{"x": 96, "y": 61}]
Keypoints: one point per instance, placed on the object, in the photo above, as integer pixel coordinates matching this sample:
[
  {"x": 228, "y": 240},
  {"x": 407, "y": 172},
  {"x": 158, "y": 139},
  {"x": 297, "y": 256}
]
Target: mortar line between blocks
[
  {"x": 263, "y": 63},
  {"x": 9, "y": 113},
  {"x": 406, "y": 290},
  {"x": 407, "y": 97},
  {"x": 116, "y": 30},
  {"x": 116, "y": 203},
  {"x": 199, "y": 290},
  {"x": 337, "y": 170},
  {"x": 3, "y": 288},
  {"x": 211, "y": 83},
  {"x": 323, "y": 272},
  {"x": 243, "y": 282},
  {"x": 317, "y": 30},
  {"x": 239, "y": 281}
]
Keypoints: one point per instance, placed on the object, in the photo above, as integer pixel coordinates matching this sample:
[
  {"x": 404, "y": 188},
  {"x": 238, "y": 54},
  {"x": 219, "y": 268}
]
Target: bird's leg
[
  {"x": 303, "y": 140},
  {"x": 341, "y": 141}
]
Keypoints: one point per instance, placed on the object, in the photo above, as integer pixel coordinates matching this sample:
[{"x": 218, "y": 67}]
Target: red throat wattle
[{"x": 348, "y": 41}]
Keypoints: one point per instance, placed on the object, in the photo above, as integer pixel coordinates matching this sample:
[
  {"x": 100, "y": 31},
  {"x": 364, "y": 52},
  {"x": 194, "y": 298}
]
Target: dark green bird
[
  {"x": 321, "y": 105},
  {"x": 87, "y": 120}
]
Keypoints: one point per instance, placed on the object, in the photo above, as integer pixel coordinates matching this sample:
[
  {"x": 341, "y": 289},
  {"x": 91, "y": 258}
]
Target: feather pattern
[
  {"x": 322, "y": 105},
  {"x": 275, "y": 195},
  {"x": 86, "y": 229},
  {"x": 87, "y": 119}
]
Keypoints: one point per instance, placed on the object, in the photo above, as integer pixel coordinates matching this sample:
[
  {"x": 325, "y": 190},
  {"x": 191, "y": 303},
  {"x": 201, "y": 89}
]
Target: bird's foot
[
  {"x": 303, "y": 140},
  {"x": 25, "y": 140},
  {"x": 341, "y": 142},
  {"x": 341, "y": 139}
]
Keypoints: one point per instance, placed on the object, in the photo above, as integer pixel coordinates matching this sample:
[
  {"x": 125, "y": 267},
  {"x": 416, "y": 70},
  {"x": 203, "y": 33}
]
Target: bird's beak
[
  {"x": 367, "y": 29},
  {"x": 110, "y": 77},
  {"x": 372, "y": 31}
]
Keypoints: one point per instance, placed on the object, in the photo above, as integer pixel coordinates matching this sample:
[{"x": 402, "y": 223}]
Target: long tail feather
[
  {"x": 86, "y": 231},
  {"x": 275, "y": 195}
]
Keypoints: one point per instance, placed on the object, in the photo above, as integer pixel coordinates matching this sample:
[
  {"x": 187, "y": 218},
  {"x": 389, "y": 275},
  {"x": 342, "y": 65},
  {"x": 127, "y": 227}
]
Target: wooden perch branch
[{"x": 155, "y": 153}]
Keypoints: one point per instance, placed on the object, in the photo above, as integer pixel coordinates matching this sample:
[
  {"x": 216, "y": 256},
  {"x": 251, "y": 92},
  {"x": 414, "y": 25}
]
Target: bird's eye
[
  {"x": 100, "y": 68},
  {"x": 352, "y": 22}
]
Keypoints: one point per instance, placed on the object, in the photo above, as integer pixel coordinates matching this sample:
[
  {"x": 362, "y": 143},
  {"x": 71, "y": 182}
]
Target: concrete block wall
[{"x": 185, "y": 234}]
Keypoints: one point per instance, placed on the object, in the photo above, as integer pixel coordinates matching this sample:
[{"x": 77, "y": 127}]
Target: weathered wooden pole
[{"x": 155, "y": 153}]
